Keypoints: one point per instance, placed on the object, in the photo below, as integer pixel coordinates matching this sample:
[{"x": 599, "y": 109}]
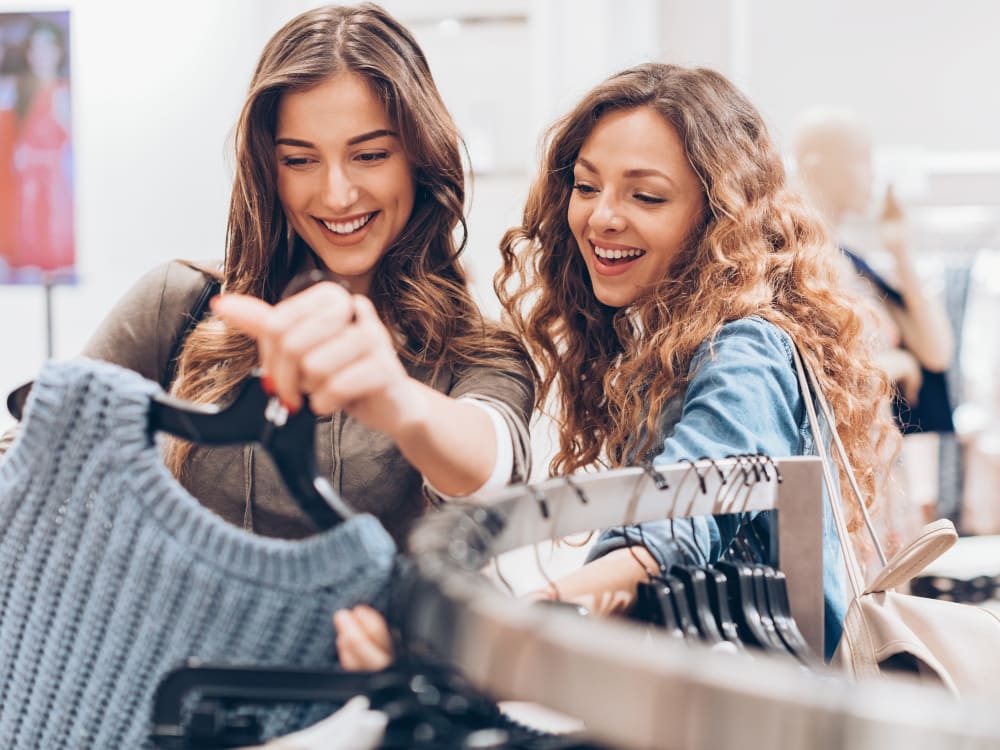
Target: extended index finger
[{"x": 246, "y": 314}]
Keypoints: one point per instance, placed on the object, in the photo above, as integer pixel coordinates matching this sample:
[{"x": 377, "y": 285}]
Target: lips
[
  {"x": 347, "y": 227},
  {"x": 613, "y": 259}
]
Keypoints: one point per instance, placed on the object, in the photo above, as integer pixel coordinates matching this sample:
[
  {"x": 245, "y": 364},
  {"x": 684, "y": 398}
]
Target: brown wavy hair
[
  {"x": 419, "y": 286},
  {"x": 758, "y": 251}
]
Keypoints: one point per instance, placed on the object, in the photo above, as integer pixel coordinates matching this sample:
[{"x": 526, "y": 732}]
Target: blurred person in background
[{"x": 832, "y": 151}]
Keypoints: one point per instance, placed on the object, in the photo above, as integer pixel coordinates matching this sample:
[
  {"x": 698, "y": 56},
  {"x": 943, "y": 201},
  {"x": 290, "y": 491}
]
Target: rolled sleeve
[{"x": 509, "y": 391}]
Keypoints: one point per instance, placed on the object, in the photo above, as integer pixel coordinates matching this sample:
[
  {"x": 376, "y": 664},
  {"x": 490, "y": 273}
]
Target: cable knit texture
[{"x": 111, "y": 574}]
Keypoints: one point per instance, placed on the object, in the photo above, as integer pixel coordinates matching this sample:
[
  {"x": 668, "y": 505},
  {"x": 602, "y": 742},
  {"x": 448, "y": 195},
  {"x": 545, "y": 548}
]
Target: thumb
[{"x": 246, "y": 314}]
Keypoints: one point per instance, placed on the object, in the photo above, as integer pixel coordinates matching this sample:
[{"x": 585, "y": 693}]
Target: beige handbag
[{"x": 950, "y": 644}]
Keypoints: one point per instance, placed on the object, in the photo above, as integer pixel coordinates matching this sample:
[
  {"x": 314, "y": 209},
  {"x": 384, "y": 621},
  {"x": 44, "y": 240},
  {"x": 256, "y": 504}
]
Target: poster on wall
[{"x": 36, "y": 150}]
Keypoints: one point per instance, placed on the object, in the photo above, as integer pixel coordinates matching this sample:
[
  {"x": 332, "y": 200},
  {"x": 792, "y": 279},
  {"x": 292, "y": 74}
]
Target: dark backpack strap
[{"x": 195, "y": 315}]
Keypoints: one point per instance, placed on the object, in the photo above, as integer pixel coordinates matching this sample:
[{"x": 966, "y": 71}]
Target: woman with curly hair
[
  {"x": 660, "y": 276},
  {"x": 347, "y": 162}
]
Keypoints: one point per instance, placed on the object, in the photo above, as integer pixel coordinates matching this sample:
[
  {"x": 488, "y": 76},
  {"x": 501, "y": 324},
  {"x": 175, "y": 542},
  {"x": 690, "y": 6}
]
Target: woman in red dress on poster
[
  {"x": 8, "y": 183},
  {"x": 41, "y": 157}
]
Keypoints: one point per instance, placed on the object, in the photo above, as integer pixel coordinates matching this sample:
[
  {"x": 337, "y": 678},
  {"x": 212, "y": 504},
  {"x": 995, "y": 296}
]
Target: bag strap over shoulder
[
  {"x": 854, "y": 575},
  {"x": 935, "y": 538},
  {"x": 195, "y": 315}
]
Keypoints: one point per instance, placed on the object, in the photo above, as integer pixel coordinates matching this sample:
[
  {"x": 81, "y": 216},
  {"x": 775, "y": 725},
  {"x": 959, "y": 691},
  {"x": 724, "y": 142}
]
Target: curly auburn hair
[
  {"x": 757, "y": 251},
  {"x": 419, "y": 286}
]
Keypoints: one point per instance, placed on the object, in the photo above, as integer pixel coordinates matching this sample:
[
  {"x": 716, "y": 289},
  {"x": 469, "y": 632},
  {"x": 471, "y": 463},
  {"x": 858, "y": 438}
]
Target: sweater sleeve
[{"x": 743, "y": 397}]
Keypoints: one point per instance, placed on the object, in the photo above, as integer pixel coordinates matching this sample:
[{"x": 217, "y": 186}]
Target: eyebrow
[
  {"x": 631, "y": 173},
  {"x": 351, "y": 142}
]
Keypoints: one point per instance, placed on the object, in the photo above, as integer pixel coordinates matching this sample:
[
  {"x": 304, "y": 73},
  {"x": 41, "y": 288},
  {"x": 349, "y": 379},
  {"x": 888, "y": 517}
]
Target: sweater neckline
[{"x": 307, "y": 564}]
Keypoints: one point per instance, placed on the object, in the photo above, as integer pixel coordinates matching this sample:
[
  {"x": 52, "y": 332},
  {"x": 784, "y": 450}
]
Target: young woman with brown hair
[{"x": 660, "y": 276}]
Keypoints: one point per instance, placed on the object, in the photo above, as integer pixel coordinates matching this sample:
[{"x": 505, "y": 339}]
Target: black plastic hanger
[
  {"x": 428, "y": 706},
  {"x": 781, "y": 614},
  {"x": 718, "y": 598},
  {"x": 672, "y": 591},
  {"x": 763, "y": 607},
  {"x": 743, "y": 604},
  {"x": 653, "y": 603},
  {"x": 695, "y": 582},
  {"x": 256, "y": 417}
]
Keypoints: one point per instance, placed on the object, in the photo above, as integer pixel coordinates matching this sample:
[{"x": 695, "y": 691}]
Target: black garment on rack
[{"x": 933, "y": 410}]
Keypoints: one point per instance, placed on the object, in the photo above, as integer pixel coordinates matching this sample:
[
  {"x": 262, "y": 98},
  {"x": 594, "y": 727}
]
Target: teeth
[
  {"x": 346, "y": 227},
  {"x": 609, "y": 254}
]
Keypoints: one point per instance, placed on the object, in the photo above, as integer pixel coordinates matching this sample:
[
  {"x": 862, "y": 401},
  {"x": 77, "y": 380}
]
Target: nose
[
  {"x": 607, "y": 217},
  {"x": 339, "y": 191}
]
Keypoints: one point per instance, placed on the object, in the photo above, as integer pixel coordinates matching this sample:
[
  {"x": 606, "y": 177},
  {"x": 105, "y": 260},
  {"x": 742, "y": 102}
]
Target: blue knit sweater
[{"x": 111, "y": 574}]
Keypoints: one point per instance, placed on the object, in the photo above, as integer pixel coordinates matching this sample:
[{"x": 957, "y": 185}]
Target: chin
[{"x": 614, "y": 299}]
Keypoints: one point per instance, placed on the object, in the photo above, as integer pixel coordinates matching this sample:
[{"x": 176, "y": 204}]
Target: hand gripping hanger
[{"x": 256, "y": 417}]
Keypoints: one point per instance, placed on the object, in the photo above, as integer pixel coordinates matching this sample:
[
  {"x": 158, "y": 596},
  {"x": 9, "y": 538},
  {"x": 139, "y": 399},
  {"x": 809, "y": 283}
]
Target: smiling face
[
  {"x": 635, "y": 202},
  {"x": 344, "y": 181}
]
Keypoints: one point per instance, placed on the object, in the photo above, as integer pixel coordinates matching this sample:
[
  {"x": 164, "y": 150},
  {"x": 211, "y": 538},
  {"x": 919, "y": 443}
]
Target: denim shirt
[{"x": 743, "y": 397}]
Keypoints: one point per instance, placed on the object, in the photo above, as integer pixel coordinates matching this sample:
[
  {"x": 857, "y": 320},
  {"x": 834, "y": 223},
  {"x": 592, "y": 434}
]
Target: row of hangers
[
  {"x": 739, "y": 600},
  {"x": 734, "y": 601}
]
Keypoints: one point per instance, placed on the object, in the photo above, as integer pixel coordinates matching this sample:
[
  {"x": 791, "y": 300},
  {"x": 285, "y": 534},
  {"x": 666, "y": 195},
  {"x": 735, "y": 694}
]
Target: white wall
[{"x": 157, "y": 88}]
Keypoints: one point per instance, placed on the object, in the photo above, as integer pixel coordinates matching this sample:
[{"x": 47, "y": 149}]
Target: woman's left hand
[
  {"x": 363, "y": 642},
  {"x": 330, "y": 345}
]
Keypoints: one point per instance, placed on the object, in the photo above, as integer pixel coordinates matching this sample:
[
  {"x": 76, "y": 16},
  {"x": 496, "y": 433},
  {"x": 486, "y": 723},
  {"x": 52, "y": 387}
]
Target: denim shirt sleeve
[{"x": 743, "y": 397}]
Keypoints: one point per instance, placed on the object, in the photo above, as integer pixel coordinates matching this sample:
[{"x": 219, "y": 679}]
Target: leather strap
[
  {"x": 197, "y": 312},
  {"x": 854, "y": 575}
]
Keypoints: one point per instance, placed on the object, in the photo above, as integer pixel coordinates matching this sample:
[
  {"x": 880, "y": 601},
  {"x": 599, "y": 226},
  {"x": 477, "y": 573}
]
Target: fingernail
[{"x": 267, "y": 384}]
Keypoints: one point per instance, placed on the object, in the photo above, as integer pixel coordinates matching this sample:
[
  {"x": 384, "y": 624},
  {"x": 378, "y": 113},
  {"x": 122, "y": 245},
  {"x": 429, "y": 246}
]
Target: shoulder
[
  {"x": 173, "y": 276},
  {"x": 140, "y": 330},
  {"x": 753, "y": 339},
  {"x": 181, "y": 282},
  {"x": 171, "y": 288},
  {"x": 508, "y": 381}
]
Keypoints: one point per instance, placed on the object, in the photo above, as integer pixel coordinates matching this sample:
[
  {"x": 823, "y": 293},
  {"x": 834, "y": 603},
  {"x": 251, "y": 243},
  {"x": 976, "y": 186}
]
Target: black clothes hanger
[
  {"x": 777, "y": 597},
  {"x": 672, "y": 592},
  {"x": 256, "y": 417},
  {"x": 743, "y": 604},
  {"x": 655, "y": 596},
  {"x": 763, "y": 607},
  {"x": 427, "y": 705},
  {"x": 676, "y": 588},
  {"x": 695, "y": 581},
  {"x": 718, "y": 598},
  {"x": 654, "y": 603}
]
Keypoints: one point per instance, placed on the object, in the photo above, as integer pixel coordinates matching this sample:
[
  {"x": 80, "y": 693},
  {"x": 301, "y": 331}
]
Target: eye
[
  {"x": 370, "y": 157},
  {"x": 584, "y": 189},
  {"x": 296, "y": 161},
  {"x": 643, "y": 198}
]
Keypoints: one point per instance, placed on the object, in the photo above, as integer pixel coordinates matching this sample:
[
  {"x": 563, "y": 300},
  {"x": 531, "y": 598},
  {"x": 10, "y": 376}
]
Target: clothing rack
[{"x": 637, "y": 690}]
